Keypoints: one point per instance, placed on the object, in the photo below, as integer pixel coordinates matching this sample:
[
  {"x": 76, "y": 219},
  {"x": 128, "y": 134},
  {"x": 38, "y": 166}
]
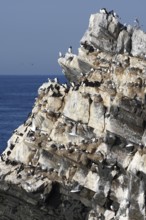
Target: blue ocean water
[{"x": 17, "y": 95}]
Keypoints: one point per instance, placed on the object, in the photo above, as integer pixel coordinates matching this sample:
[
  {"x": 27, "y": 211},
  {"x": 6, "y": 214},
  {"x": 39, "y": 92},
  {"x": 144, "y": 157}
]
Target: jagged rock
[
  {"x": 124, "y": 42},
  {"x": 138, "y": 43},
  {"x": 81, "y": 154},
  {"x": 97, "y": 120}
]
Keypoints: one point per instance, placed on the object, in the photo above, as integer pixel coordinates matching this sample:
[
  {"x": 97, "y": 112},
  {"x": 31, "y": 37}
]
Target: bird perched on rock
[
  {"x": 60, "y": 54},
  {"x": 103, "y": 11},
  {"x": 55, "y": 80},
  {"x": 70, "y": 49},
  {"x": 136, "y": 23},
  {"x": 130, "y": 147},
  {"x": 113, "y": 13},
  {"x": 87, "y": 46},
  {"x": 76, "y": 189},
  {"x": 52, "y": 148}
]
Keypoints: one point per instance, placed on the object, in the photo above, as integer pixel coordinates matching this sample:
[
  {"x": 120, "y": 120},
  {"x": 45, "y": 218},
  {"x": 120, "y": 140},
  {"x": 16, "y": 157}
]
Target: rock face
[{"x": 81, "y": 154}]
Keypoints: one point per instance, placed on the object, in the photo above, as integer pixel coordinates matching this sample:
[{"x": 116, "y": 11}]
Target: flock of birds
[
  {"x": 90, "y": 48},
  {"x": 71, "y": 147},
  {"x": 115, "y": 15}
]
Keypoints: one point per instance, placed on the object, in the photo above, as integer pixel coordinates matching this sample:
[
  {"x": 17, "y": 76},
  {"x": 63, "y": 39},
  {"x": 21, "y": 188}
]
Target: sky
[{"x": 32, "y": 32}]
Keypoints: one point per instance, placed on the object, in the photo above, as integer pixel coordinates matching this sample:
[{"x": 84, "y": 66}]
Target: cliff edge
[{"x": 81, "y": 152}]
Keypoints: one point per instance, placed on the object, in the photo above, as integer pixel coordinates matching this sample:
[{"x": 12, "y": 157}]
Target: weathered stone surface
[
  {"x": 138, "y": 43},
  {"x": 97, "y": 120},
  {"x": 74, "y": 105},
  {"x": 124, "y": 42},
  {"x": 81, "y": 152}
]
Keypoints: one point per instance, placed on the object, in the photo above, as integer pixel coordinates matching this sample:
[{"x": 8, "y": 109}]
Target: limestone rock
[
  {"x": 138, "y": 43},
  {"x": 81, "y": 153},
  {"x": 74, "y": 104},
  {"x": 123, "y": 42}
]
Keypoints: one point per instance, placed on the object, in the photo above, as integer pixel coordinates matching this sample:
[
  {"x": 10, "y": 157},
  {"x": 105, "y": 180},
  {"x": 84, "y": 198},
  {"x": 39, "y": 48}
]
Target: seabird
[
  {"x": 61, "y": 147},
  {"x": 12, "y": 146},
  {"x": 130, "y": 147},
  {"x": 17, "y": 140},
  {"x": 30, "y": 163},
  {"x": 8, "y": 152},
  {"x": 92, "y": 69},
  {"x": 60, "y": 54},
  {"x": 49, "y": 80},
  {"x": 140, "y": 147},
  {"x": 137, "y": 24},
  {"x": 70, "y": 150},
  {"x": 65, "y": 86},
  {"x": 94, "y": 140},
  {"x": 70, "y": 49},
  {"x": 94, "y": 168},
  {"x": 72, "y": 84},
  {"x": 14, "y": 163},
  {"x": 76, "y": 189},
  {"x": 103, "y": 11},
  {"x": 55, "y": 80},
  {"x": 53, "y": 147},
  {"x": 74, "y": 131},
  {"x": 113, "y": 13},
  {"x": 87, "y": 46},
  {"x": 20, "y": 168},
  {"x": 124, "y": 27},
  {"x": 19, "y": 176},
  {"x": 81, "y": 74},
  {"x": 51, "y": 169},
  {"x": 25, "y": 130},
  {"x": 2, "y": 157}
]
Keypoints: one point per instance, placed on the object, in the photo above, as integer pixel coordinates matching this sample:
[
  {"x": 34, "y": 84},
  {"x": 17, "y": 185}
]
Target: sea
[{"x": 17, "y": 96}]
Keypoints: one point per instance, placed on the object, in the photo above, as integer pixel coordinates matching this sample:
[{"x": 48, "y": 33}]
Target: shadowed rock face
[{"x": 81, "y": 154}]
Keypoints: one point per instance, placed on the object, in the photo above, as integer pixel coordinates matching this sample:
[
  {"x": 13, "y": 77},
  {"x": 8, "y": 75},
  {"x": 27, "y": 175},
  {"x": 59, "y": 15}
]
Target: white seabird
[
  {"x": 76, "y": 189},
  {"x": 49, "y": 80},
  {"x": 64, "y": 85},
  {"x": 114, "y": 14},
  {"x": 103, "y": 11},
  {"x": 60, "y": 54},
  {"x": 72, "y": 84},
  {"x": 70, "y": 49},
  {"x": 129, "y": 145},
  {"x": 92, "y": 69},
  {"x": 55, "y": 80}
]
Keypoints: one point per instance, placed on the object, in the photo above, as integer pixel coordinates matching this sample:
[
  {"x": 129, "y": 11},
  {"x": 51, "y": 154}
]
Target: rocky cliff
[{"x": 81, "y": 154}]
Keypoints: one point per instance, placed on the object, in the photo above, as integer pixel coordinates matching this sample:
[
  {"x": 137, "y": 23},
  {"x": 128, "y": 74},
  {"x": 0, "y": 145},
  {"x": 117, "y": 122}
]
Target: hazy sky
[{"x": 32, "y": 32}]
